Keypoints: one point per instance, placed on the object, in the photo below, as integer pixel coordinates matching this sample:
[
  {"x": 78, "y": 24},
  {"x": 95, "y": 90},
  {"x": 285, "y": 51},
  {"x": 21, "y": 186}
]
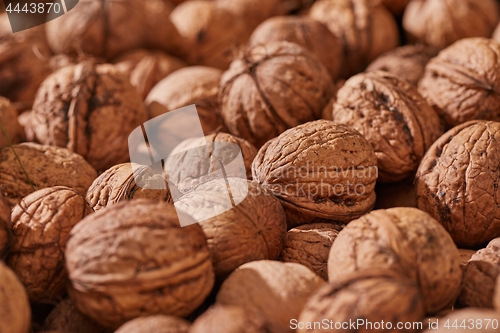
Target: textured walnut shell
[
  {"x": 374, "y": 296},
  {"x": 305, "y": 32},
  {"x": 277, "y": 290},
  {"x": 393, "y": 117},
  {"x": 310, "y": 245},
  {"x": 41, "y": 223},
  {"x": 156, "y": 324},
  {"x": 5, "y": 227},
  {"x": 271, "y": 88},
  {"x": 154, "y": 267},
  {"x": 442, "y": 22},
  {"x": 46, "y": 166},
  {"x": 400, "y": 194},
  {"x": 475, "y": 321},
  {"x": 320, "y": 170},
  {"x": 404, "y": 240},
  {"x": 15, "y": 312},
  {"x": 461, "y": 82},
  {"x": 408, "y": 62},
  {"x": 480, "y": 276},
  {"x": 457, "y": 182},
  {"x": 9, "y": 124},
  {"x": 367, "y": 31},
  {"x": 89, "y": 109}
]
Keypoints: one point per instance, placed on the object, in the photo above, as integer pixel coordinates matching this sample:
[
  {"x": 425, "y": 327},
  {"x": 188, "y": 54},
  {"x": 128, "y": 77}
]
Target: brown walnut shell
[
  {"x": 474, "y": 320},
  {"x": 156, "y": 324},
  {"x": 393, "y": 117},
  {"x": 46, "y": 166},
  {"x": 407, "y": 241},
  {"x": 460, "y": 83},
  {"x": 89, "y": 109},
  {"x": 9, "y": 124},
  {"x": 5, "y": 228},
  {"x": 320, "y": 171},
  {"x": 271, "y": 88},
  {"x": 457, "y": 182},
  {"x": 15, "y": 312},
  {"x": 133, "y": 259}
]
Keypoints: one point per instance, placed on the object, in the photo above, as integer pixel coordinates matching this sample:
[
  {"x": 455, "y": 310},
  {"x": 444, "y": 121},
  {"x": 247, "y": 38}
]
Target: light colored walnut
[{"x": 155, "y": 324}]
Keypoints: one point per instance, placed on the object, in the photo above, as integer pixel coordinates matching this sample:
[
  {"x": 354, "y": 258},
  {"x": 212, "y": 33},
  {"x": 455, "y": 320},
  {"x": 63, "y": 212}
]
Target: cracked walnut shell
[
  {"x": 15, "y": 312},
  {"x": 155, "y": 324}
]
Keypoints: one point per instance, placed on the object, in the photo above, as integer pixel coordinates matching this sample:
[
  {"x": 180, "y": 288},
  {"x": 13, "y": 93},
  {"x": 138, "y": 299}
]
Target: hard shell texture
[
  {"x": 15, "y": 312},
  {"x": 155, "y": 324}
]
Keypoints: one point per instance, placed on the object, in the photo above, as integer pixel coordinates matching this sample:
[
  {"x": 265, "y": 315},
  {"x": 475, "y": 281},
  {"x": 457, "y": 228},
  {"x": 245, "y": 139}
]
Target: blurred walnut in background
[{"x": 14, "y": 133}]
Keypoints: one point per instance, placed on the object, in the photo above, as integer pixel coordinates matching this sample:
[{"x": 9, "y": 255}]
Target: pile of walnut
[{"x": 359, "y": 141}]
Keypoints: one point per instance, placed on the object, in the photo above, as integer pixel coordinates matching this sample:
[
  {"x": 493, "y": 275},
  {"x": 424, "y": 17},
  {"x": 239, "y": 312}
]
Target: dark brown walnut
[
  {"x": 5, "y": 228},
  {"x": 408, "y": 62},
  {"x": 310, "y": 245},
  {"x": 320, "y": 171},
  {"x": 374, "y": 296},
  {"x": 407, "y": 241},
  {"x": 15, "y": 311},
  {"x": 156, "y": 324},
  {"x": 475, "y": 321},
  {"x": 366, "y": 31},
  {"x": 304, "y": 31},
  {"x": 271, "y": 88},
  {"x": 133, "y": 259},
  {"x": 127, "y": 181},
  {"x": 396, "y": 7},
  {"x": 277, "y": 290},
  {"x": 253, "y": 12},
  {"x": 399, "y": 194},
  {"x": 41, "y": 223},
  {"x": 442, "y": 22},
  {"x": 10, "y": 129},
  {"x": 146, "y": 68},
  {"x": 457, "y": 182},
  {"x": 480, "y": 276},
  {"x": 45, "y": 166},
  {"x": 460, "y": 83},
  {"x": 89, "y": 109},
  {"x": 393, "y": 117}
]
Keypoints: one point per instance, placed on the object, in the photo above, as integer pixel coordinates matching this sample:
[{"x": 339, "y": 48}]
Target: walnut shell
[
  {"x": 277, "y": 290},
  {"x": 5, "y": 228},
  {"x": 46, "y": 166},
  {"x": 404, "y": 240},
  {"x": 156, "y": 324},
  {"x": 9, "y": 124},
  {"x": 304, "y": 31},
  {"x": 393, "y": 117},
  {"x": 399, "y": 194},
  {"x": 367, "y": 31},
  {"x": 442, "y": 22},
  {"x": 89, "y": 109},
  {"x": 457, "y": 182},
  {"x": 41, "y": 224},
  {"x": 474, "y": 320},
  {"x": 459, "y": 83},
  {"x": 320, "y": 170},
  {"x": 373, "y": 296},
  {"x": 155, "y": 267},
  {"x": 310, "y": 245},
  {"x": 15, "y": 312},
  {"x": 271, "y": 88}
]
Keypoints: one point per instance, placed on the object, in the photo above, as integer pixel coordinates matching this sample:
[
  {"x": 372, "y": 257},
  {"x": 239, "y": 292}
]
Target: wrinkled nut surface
[
  {"x": 475, "y": 320},
  {"x": 457, "y": 182},
  {"x": 156, "y": 324},
  {"x": 480, "y": 276},
  {"x": 5, "y": 227},
  {"x": 320, "y": 170},
  {"x": 46, "y": 166},
  {"x": 41, "y": 223},
  {"x": 406, "y": 241},
  {"x": 375, "y": 296},
  {"x": 393, "y": 117},
  {"x": 304, "y": 31},
  {"x": 310, "y": 245},
  {"x": 399, "y": 194},
  {"x": 15, "y": 312},
  {"x": 14, "y": 133},
  {"x": 271, "y": 88},
  {"x": 133, "y": 259},
  {"x": 442, "y": 22},
  {"x": 461, "y": 82}
]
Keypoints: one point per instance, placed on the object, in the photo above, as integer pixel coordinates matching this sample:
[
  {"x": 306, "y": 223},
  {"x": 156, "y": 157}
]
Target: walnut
[
  {"x": 41, "y": 224},
  {"x": 253, "y": 12},
  {"x": 393, "y": 117},
  {"x": 310, "y": 245},
  {"x": 155, "y": 267},
  {"x": 271, "y": 88},
  {"x": 156, "y": 324},
  {"x": 15, "y": 310},
  {"x": 457, "y": 182},
  {"x": 14, "y": 133},
  {"x": 367, "y": 31},
  {"x": 374, "y": 296},
  {"x": 408, "y": 62},
  {"x": 89, "y": 109},
  {"x": 277, "y": 290},
  {"x": 45, "y": 166},
  {"x": 459, "y": 82},
  {"x": 442, "y": 22},
  {"x": 5, "y": 228},
  {"x": 305, "y": 32},
  {"x": 146, "y": 68},
  {"x": 320, "y": 170},
  {"x": 404, "y": 240},
  {"x": 399, "y": 194},
  {"x": 474, "y": 320}
]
